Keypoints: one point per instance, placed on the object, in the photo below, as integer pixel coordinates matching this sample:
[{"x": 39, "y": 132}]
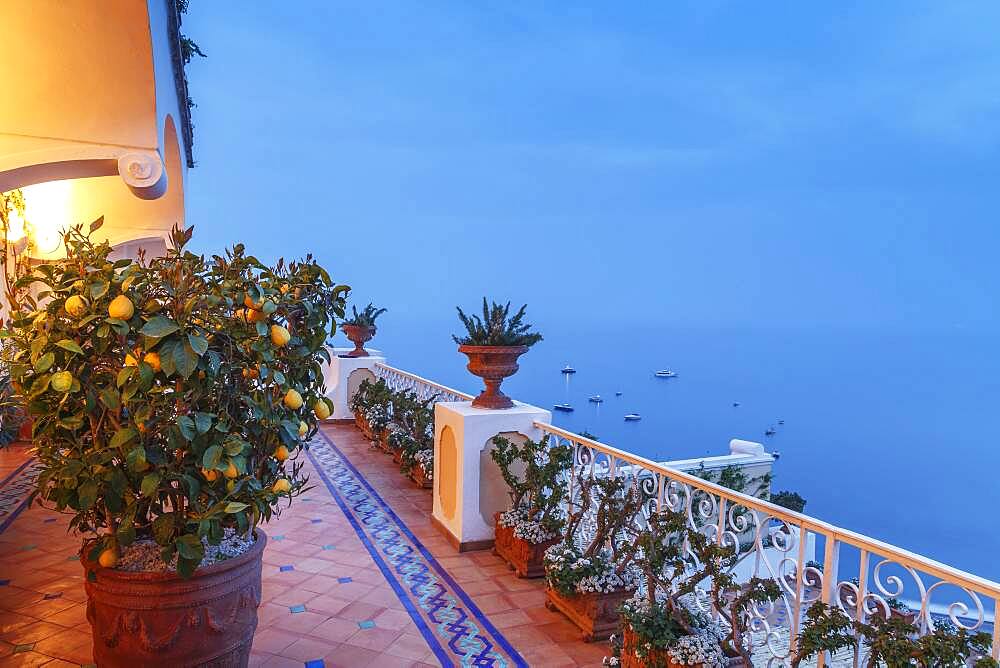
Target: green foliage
[
  {"x": 791, "y": 500},
  {"x": 165, "y": 423},
  {"x": 496, "y": 327},
  {"x": 408, "y": 419},
  {"x": 373, "y": 401},
  {"x": 365, "y": 318},
  {"x": 536, "y": 486}
]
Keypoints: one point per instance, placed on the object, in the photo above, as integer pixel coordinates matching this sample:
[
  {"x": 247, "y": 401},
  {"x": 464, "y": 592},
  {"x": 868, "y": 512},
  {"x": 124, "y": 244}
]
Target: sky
[{"x": 814, "y": 165}]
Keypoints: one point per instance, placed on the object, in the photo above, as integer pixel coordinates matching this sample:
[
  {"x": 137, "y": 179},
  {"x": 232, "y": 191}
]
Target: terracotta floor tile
[
  {"x": 307, "y": 649},
  {"x": 335, "y": 629}
]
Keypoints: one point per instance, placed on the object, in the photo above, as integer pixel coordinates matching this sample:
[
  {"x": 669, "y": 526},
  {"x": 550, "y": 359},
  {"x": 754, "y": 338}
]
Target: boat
[
  {"x": 770, "y": 431},
  {"x": 568, "y": 369},
  {"x": 665, "y": 373},
  {"x": 596, "y": 399},
  {"x": 618, "y": 394},
  {"x": 736, "y": 404},
  {"x": 565, "y": 408},
  {"x": 633, "y": 417},
  {"x": 781, "y": 422}
]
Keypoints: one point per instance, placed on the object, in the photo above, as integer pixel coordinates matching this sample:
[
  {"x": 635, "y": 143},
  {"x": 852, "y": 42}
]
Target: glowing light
[{"x": 47, "y": 209}]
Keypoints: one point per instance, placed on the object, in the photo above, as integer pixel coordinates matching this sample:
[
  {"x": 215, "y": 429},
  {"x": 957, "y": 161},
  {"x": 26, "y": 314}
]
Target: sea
[{"x": 889, "y": 434}]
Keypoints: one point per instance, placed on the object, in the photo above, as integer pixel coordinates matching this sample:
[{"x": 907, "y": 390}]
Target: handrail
[
  {"x": 411, "y": 381},
  {"x": 926, "y": 564}
]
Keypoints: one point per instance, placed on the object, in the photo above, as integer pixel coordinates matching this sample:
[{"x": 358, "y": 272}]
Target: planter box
[
  {"x": 397, "y": 455},
  {"x": 365, "y": 428},
  {"x": 660, "y": 657},
  {"x": 419, "y": 478},
  {"x": 160, "y": 619},
  {"x": 595, "y": 614},
  {"x": 524, "y": 558}
]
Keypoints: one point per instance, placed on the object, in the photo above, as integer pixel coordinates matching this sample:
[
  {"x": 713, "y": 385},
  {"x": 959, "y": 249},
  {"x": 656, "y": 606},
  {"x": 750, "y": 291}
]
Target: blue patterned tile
[
  {"x": 48, "y": 520},
  {"x": 49, "y": 597},
  {"x": 27, "y": 647},
  {"x": 25, "y": 548},
  {"x": 286, "y": 568},
  {"x": 280, "y": 537},
  {"x": 295, "y": 609},
  {"x": 4, "y": 583},
  {"x": 316, "y": 663},
  {"x": 344, "y": 580},
  {"x": 315, "y": 520},
  {"x": 329, "y": 547},
  {"x": 367, "y": 624}
]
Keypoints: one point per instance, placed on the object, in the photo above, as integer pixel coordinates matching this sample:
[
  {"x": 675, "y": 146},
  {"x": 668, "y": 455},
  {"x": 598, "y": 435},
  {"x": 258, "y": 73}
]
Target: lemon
[
  {"x": 284, "y": 288},
  {"x": 76, "y": 306},
  {"x": 153, "y": 360},
  {"x": 281, "y": 486},
  {"x": 108, "y": 558},
  {"x": 279, "y": 336},
  {"x": 254, "y": 315},
  {"x": 121, "y": 308},
  {"x": 281, "y": 453},
  {"x": 250, "y": 303},
  {"x": 211, "y": 475},
  {"x": 131, "y": 360},
  {"x": 322, "y": 409},
  {"x": 62, "y": 381},
  {"x": 303, "y": 429},
  {"x": 250, "y": 373},
  {"x": 293, "y": 399},
  {"x": 231, "y": 471}
]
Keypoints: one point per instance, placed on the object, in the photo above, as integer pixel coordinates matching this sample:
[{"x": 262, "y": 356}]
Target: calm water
[{"x": 892, "y": 435}]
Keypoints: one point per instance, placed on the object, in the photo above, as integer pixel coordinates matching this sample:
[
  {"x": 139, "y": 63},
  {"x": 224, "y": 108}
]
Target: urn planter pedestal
[
  {"x": 161, "y": 619},
  {"x": 359, "y": 335},
  {"x": 524, "y": 558},
  {"x": 492, "y": 364},
  {"x": 595, "y": 614}
]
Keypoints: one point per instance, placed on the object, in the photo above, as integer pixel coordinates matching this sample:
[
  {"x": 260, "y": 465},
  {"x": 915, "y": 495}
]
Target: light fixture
[{"x": 47, "y": 210}]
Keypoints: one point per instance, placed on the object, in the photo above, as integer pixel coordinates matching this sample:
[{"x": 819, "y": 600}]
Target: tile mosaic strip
[
  {"x": 14, "y": 491},
  {"x": 456, "y": 630}
]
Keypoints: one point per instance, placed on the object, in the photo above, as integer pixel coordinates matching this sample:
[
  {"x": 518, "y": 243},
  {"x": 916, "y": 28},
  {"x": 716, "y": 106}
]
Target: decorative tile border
[
  {"x": 456, "y": 630},
  {"x": 14, "y": 491}
]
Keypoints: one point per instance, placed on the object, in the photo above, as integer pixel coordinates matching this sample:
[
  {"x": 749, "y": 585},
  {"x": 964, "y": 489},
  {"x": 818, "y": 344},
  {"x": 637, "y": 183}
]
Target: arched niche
[
  {"x": 446, "y": 473},
  {"x": 494, "y": 495}
]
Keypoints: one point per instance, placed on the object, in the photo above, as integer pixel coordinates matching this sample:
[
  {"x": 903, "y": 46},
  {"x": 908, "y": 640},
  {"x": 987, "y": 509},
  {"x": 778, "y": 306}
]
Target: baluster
[
  {"x": 796, "y": 616},
  {"x": 831, "y": 559},
  {"x": 996, "y": 627},
  {"x": 860, "y": 607}
]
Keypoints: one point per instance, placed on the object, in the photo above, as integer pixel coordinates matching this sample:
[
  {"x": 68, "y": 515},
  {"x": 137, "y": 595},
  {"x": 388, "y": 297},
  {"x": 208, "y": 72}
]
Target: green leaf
[
  {"x": 123, "y": 437},
  {"x": 185, "y": 359},
  {"x": 189, "y": 547},
  {"x": 87, "y": 494},
  {"x": 124, "y": 375},
  {"x": 98, "y": 289},
  {"x": 150, "y": 482},
  {"x": 212, "y": 457},
  {"x": 136, "y": 459},
  {"x": 198, "y": 343},
  {"x": 159, "y": 326},
  {"x": 235, "y": 507},
  {"x": 44, "y": 362},
  {"x": 70, "y": 345},
  {"x": 120, "y": 326},
  {"x": 203, "y": 422},
  {"x": 109, "y": 397},
  {"x": 163, "y": 528},
  {"x": 187, "y": 427}
]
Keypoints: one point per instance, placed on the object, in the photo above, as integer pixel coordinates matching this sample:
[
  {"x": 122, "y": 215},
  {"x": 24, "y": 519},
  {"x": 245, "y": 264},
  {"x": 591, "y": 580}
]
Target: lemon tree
[{"x": 146, "y": 419}]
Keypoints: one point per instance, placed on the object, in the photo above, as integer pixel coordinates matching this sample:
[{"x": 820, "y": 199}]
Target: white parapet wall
[
  {"x": 343, "y": 376},
  {"x": 468, "y": 488}
]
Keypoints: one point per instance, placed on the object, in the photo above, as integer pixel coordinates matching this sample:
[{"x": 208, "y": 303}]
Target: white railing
[
  {"x": 403, "y": 381},
  {"x": 775, "y": 540},
  {"x": 777, "y": 543}
]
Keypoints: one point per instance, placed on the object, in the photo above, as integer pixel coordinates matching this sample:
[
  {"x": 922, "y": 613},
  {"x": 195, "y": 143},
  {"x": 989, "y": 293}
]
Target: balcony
[{"x": 364, "y": 567}]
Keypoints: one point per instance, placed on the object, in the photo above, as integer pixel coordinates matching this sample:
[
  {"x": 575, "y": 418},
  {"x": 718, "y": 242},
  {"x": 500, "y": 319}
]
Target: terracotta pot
[
  {"x": 493, "y": 364},
  {"x": 660, "y": 657},
  {"x": 397, "y": 455},
  {"x": 420, "y": 478},
  {"x": 358, "y": 335},
  {"x": 24, "y": 431},
  {"x": 595, "y": 614},
  {"x": 160, "y": 619},
  {"x": 524, "y": 558}
]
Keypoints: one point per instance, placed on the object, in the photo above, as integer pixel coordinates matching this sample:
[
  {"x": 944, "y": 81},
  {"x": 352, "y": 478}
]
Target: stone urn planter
[
  {"x": 660, "y": 657},
  {"x": 524, "y": 558},
  {"x": 492, "y": 364},
  {"x": 421, "y": 478},
  {"x": 595, "y": 614},
  {"x": 359, "y": 335},
  {"x": 161, "y": 619}
]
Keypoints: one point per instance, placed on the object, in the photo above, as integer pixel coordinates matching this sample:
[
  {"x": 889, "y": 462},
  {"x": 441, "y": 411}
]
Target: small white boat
[
  {"x": 770, "y": 432},
  {"x": 565, "y": 408},
  {"x": 665, "y": 373},
  {"x": 633, "y": 417},
  {"x": 618, "y": 394},
  {"x": 568, "y": 369},
  {"x": 596, "y": 399}
]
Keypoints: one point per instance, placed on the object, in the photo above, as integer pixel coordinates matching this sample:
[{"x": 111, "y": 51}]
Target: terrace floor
[{"x": 354, "y": 574}]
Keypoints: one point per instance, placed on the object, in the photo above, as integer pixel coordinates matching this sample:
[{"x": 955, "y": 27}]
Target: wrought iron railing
[
  {"x": 776, "y": 543},
  {"x": 400, "y": 380},
  {"x": 862, "y": 576}
]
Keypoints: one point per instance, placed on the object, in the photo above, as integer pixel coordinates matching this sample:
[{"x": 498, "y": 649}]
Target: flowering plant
[
  {"x": 570, "y": 571},
  {"x": 536, "y": 494},
  {"x": 170, "y": 398}
]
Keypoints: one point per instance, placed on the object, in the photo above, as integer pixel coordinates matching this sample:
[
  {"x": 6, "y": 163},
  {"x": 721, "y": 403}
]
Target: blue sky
[{"x": 702, "y": 163}]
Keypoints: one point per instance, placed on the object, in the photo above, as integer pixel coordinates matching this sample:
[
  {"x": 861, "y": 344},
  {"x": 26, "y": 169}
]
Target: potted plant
[
  {"x": 588, "y": 579},
  {"x": 415, "y": 421},
  {"x": 493, "y": 343},
  {"x": 422, "y": 468},
  {"x": 360, "y": 328},
  {"x": 370, "y": 405},
  {"x": 536, "y": 518},
  {"x": 665, "y": 626},
  {"x": 168, "y": 456}
]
